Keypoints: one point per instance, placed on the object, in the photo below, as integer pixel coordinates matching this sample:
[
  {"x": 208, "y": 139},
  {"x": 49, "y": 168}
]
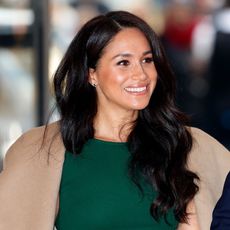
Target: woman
[{"x": 120, "y": 157}]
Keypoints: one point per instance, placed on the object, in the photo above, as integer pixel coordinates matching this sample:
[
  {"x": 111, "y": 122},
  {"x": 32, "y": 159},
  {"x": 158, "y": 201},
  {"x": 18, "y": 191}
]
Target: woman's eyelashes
[
  {"x": 123, "y": 63},
  {"x": 127, "y": 62},
  {"x": 148, "y": 60}
]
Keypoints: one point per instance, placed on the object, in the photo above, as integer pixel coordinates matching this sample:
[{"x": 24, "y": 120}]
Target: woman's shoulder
[
  {"x": 42, "y": 140},
  {"x": 205, "y": 142},
  {"x": 208, "y": 157},
  {"x": 30, "y": 179}
]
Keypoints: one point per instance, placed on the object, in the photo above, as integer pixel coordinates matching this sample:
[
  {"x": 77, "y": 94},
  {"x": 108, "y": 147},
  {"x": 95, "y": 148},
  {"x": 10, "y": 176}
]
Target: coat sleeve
[
  {"x": 211, "y": 161},
  {"x": 29, "y": 182}
]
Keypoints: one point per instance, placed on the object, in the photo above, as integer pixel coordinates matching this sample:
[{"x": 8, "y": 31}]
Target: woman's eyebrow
[
  {"x": 147, "y": 52},
  {"x": 122, "y": 55},
  {"x": 129, "y": 54}
]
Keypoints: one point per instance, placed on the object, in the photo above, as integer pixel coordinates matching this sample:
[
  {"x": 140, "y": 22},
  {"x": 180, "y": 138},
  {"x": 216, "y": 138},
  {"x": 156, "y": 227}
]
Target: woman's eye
[
  {"x": 148, "y": 60},
  {"x": 123, "y": 62}
]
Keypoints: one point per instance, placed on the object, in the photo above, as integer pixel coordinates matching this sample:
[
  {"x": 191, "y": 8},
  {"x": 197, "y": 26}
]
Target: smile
[{"x": 136, "y": 89}]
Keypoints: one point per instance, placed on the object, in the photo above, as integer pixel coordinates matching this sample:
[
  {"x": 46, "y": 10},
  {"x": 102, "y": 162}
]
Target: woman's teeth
[{"x": 136, "y": 89}]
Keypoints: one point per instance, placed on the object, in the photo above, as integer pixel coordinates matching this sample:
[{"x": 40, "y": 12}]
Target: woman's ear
[{"x": 92, "y": 77}]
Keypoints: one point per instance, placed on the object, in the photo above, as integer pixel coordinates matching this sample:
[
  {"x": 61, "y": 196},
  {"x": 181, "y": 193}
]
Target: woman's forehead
[{"x": 126, "y": 42}]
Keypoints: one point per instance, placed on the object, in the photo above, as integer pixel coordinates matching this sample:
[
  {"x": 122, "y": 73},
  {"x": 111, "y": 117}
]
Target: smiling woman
[
  {"x": 123, "y": 73},
  {"x": 121, "y": 156}
]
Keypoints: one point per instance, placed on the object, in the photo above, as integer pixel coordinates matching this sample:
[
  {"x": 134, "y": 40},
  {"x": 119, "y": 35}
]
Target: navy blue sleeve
[{"x": 221, "y": 213}]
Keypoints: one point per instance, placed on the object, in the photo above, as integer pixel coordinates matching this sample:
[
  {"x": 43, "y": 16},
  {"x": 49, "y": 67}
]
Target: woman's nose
[{"x": 138, "y": 72}]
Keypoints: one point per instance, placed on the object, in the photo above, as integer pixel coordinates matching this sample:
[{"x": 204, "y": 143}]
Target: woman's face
[{"x": 125, "y": 76}]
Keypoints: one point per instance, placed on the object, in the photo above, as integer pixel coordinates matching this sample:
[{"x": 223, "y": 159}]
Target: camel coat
[{"x": 30, "y": 180}]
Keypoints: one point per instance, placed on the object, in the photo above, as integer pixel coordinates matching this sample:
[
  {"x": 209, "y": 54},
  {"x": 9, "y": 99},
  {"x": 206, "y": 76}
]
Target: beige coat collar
[{"x": 29, "y": 183}]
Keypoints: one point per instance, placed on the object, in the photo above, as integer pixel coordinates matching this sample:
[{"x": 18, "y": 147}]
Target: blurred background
[{"x": 35, "y": 34}]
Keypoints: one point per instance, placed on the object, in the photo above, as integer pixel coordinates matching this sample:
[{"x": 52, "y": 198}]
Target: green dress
[{"x": 96, "y": 192}]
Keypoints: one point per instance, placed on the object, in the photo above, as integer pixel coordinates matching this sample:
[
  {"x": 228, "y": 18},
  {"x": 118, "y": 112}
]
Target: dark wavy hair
[{"x": 159, "y": 142}]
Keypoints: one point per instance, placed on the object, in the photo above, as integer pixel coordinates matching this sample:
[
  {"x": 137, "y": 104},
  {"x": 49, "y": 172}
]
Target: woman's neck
[{"x": 112, "y": 126}]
